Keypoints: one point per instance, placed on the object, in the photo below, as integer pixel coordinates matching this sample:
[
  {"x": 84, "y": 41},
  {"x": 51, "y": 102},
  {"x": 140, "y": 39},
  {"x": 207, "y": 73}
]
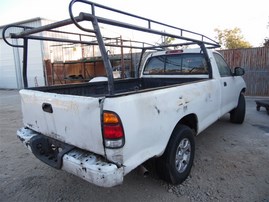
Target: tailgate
[{"x": 71, "y": 119}]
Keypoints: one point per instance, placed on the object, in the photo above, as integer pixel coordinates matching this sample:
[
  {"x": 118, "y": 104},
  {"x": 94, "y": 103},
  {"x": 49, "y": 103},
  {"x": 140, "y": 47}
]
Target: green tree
[
  {"x": 231, "y": 38},
  {"x": 266, "y": 42},
  {"x": 166, "y": 40}
]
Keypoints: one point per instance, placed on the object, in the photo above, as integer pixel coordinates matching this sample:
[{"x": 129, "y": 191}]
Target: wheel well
[{"x": 191, "y": 121}]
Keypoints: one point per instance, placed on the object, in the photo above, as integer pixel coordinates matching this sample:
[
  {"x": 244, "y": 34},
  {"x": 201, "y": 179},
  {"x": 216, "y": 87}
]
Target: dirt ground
[{"x": 231, "y": 164}]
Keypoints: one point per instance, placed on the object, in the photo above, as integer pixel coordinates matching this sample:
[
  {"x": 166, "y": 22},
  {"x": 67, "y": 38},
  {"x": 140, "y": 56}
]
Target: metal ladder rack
[
  {"x": 182, "y": 33},
  {"x": 95, "y": 19},
  {"x": 176, "y": 33}
]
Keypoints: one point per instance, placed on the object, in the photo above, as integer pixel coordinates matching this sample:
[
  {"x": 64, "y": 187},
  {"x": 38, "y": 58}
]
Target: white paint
[
  {"x": 75, "y": 119},
  {"x": 98, "y": 79}
]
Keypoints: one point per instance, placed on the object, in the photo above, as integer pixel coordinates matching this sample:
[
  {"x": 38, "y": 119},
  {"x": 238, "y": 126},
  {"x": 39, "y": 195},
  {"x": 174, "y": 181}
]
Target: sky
[{"x": 201, "y": 16}]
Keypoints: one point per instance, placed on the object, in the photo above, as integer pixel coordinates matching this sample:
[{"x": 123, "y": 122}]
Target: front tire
[
  {"x": 175, "y": 164},
  {"x": 237, "y": 115}
]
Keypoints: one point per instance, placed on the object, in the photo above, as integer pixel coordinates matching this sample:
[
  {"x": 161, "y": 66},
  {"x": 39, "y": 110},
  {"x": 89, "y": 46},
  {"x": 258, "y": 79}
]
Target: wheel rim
[{"x": 183, "y": 155}]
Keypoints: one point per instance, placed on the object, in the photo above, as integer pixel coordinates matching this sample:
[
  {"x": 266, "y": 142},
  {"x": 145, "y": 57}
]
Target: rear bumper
[{"x": 86, "y": 165}]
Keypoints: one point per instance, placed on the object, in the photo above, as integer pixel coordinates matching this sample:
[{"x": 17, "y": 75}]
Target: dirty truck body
[{"x": 100, "y": 131}]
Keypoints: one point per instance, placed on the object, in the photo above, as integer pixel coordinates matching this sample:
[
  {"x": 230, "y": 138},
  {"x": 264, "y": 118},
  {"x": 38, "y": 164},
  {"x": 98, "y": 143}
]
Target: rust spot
[
  {"x": 21, "y": 139},
  {"x": 30, "y": 125},
  {"x": 157, "y": 109},
  {"x": 84, "y": 169}
]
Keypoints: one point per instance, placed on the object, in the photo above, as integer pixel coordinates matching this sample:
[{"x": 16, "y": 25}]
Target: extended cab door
[{"x": 228, "y": 85}]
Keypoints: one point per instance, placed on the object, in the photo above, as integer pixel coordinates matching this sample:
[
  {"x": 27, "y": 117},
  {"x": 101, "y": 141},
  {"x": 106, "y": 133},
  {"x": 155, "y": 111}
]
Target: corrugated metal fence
[{"x": 255, "y": 61}]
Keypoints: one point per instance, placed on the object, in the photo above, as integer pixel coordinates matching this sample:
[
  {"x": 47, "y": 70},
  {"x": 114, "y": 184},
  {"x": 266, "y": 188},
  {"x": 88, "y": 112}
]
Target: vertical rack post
[
  {"x": 104, "y": 54},
  {"x": 24, "y": 66}
]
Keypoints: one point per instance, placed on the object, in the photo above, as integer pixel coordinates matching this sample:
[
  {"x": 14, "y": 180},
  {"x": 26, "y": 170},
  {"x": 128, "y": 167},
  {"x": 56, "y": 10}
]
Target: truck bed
[
  {"x": 54, "y": 106},
  {"x": 124, "y": 86}
]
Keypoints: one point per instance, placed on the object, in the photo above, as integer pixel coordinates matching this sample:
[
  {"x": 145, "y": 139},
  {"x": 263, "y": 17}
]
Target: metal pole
[
  {"x": 24, "y": 66},
  {"x": 122, "y": 59},
  {"x": 204, "y": 50},
  {"x": 17, "y": 62},
  {"x": 105, "y": 58}
]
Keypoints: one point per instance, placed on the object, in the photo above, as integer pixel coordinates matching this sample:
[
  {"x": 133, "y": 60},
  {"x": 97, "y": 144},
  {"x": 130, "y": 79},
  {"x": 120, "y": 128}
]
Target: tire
[
  {"x": 237, "y": 115},
  {"x": 175, "y": 164}
]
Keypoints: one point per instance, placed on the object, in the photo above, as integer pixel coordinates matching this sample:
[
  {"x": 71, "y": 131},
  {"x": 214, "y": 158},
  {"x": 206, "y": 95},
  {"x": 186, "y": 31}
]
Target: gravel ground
[{"x": 231, "y": 164}]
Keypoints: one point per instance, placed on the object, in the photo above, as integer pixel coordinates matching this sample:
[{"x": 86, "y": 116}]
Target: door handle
[
  {"x": 47, "y": 108},
  {"x": 225, "y": 84}
]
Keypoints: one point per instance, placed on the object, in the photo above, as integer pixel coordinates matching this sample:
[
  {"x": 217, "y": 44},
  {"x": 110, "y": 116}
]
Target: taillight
[{"x": 113, "y": 132}]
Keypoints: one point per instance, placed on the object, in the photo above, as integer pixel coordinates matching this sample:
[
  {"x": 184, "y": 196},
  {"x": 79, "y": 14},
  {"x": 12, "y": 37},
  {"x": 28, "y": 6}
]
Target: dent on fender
[{"x": 183, "y": 103}]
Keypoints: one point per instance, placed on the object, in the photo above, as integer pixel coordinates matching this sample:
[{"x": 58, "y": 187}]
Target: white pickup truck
[{"x": 100, "y": 131}]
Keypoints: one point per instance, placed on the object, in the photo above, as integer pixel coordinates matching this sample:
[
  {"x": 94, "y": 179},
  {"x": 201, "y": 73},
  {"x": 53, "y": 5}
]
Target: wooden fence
[{"x": 255, "y": 61}]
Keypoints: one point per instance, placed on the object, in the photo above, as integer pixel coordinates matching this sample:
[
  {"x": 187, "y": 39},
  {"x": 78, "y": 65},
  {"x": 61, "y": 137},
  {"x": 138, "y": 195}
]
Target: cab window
[
  {"x": 190, "y": 63},
  {"x": 223, "y": 67}
]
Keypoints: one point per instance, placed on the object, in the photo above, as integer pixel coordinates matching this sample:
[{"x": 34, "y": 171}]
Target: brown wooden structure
[{"x": 255, "y": 61}]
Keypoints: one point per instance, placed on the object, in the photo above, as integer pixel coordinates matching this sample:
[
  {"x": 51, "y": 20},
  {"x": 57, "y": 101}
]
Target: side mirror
[{"x": 238, "y": 71}]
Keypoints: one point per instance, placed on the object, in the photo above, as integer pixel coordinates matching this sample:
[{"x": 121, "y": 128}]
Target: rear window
[{"x": 188, "y": 63}]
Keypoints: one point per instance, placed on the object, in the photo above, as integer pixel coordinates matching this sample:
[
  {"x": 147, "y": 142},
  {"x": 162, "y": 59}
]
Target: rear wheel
[
  {"x": 237, "y": 115},
  {"x": 175, "y": 164}
]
